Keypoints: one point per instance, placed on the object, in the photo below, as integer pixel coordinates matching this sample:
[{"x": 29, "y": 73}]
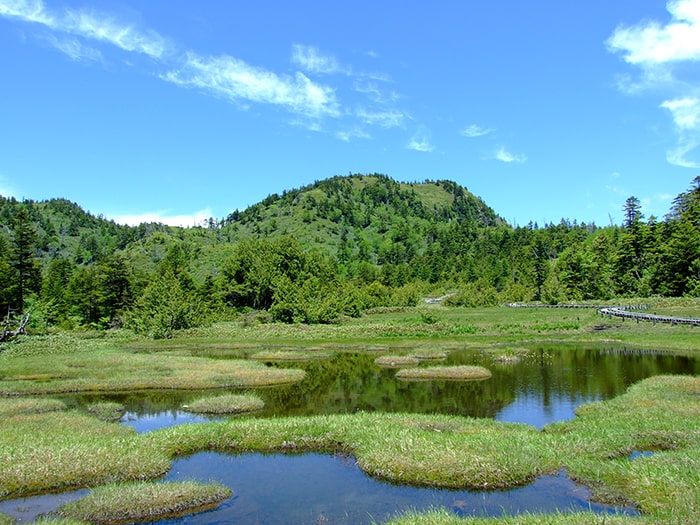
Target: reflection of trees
[{"x": 348, "y": 382}]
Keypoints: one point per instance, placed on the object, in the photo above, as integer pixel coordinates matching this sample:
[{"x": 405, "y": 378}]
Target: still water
[{"x": 544, "y": 385}]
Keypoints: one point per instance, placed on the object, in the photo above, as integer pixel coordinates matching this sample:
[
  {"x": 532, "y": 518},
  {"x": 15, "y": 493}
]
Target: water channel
[{"x": 544, "y": 385}]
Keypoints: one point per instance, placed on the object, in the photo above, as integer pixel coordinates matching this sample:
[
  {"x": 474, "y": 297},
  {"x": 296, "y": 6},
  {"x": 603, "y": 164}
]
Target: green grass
[
  {"x": 12, "y": 407},
  {"x": 144, "y": 501},
  {"x": 443, "y": 517},
  {"x": 61, "y": 450},
  {"x": 58, "y": 450},
  {"x": 45, "y": 447},
  {"x": 445, "y": 373},
  {"x": 226, "y": 404},
  {"x": 289, "y": 355},
  {"x": 108, "y": 368},
  {"x": 396, "y": 361},
  {"x": 106, "y": 410}
]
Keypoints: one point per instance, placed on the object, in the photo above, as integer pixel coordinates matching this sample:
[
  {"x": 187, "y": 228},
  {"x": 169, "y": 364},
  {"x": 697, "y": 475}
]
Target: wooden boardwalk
[
  {"x": 616, "y": 311},
  {"x": 623, "y": 312}
]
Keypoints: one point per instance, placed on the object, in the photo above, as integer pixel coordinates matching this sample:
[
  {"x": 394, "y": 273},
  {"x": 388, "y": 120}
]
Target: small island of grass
[
  {"x": 396, "y": 361},
  {"x": 226, "y": 404},
  {"x": 445, "y": 373},
  {"x": 144, "y": 501}
]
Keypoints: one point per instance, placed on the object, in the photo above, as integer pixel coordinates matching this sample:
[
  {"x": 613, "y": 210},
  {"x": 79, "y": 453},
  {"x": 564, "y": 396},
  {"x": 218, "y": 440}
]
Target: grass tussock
[
  {"x": 445, "y": 373},
  {"x": 138, "y": 502},
  {"x": 62, "y": 450},
  {"x": 290, "y": 355},
  {"x": 112, "y": 369},
  {"x": 18, "y": 406},
  {"x": 396, "y": 361},
  {"x": 226, "y": 404}
]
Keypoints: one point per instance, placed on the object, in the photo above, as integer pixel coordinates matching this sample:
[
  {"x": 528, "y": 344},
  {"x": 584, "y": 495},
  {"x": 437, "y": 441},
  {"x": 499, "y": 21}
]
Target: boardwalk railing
[
  {"x": 624, "y": 312},
  {"x": 616, "y": 311}
]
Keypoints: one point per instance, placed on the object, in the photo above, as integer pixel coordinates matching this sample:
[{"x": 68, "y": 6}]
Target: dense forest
[{"x": 335, "y": 247}]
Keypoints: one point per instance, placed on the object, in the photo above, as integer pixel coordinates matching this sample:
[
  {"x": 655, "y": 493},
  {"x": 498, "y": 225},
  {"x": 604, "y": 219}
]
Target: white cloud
[
  {"x": 678, "y": 156},
  {"x": 198, "y": 218},
  {"x": 651, "y": 43},
  {"x": 348, "y": 135},
  {"x": 505, "y": 156},
  {"x": 311, "y": 59},
  {"x": 420, "y": 142},
  {"x": 86, "y": 24},
  {"x": 686, "y": 117},
  {"x": 662, "y": 53},
  {"x": 685, "y": 112},
  {"x": 75, "y": 49},
  {"x": 473, "y": 131},
  {"x": 386, "y": 119},
  {"x": 233, "y": 79},
  {"x": 86, "y": 34},
  {"x": 27, "y": 10}
]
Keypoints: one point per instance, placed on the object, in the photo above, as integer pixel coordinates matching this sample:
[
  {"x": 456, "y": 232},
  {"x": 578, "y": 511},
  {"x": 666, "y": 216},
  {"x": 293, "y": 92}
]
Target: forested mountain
[{"x": 334, "y": 247}]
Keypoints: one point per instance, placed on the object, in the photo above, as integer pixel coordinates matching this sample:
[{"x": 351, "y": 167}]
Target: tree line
[{"x": 376, "y": 243}]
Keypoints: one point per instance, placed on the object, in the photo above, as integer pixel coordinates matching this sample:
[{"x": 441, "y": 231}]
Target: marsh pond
[{"x": 538, "y": 385}]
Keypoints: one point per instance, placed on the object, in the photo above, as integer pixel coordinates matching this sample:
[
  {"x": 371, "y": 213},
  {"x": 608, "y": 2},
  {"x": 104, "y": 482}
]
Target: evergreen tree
[{"x": 23, "y": 259}]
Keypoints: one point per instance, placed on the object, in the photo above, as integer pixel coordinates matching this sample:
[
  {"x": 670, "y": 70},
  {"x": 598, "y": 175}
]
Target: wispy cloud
[
  {"x": 75, "y": 49},
  {"x": 86, "y": 24},
  {"x": 87, "y": 34},
  {"x": 506, "y": 156},
  {"x": 236, "y": 80},
  {"x": 355, "y": 133},
  {"x": 473, "y": 131},
  {"x": 660, "y": 52},
  {"x": 311, "y": 60},
  {"x": 198, "y": 218},
  {"x": 386, "y": 119},
  {"x": 420, "y": 142}
]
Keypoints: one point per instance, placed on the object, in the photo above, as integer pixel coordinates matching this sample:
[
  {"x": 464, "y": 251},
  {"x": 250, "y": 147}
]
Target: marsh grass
[
  {"x": 139, "y": 502},
  {"x": 226, "y": 404},
  {"x": 112, "y": 369},
  {"x": 444, "y": 517},
  {"x": 396, "y": 361},
  {"x": 62, "y": 450},
  {"x": 661, "y": 413},
  {"x": 58, "y": 450},
  {"x": 444, "y": 373},
  {"x": 290, "y": 355},
  {"x": 17, "y": 406}
]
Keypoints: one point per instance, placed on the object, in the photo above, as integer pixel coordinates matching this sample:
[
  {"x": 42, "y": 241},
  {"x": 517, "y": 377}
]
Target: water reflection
[
  {"x": 545, "y": 385},
  {"x": 319, "y": 488}
]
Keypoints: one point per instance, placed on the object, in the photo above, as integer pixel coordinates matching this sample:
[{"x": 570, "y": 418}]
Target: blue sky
[{"x": 176, "y": 111}]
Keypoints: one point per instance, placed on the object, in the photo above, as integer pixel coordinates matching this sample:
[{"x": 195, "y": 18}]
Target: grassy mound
[
  {"x": 137, "y": 502},
  {"x": 445, "y": 373},
  {"x": 226, "y": 404}
]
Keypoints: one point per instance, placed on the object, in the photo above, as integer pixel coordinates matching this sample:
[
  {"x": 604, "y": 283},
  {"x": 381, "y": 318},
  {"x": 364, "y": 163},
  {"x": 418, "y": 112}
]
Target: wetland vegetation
[
  {"x": 54, "y": 443},
  {"x": 292, "y": 322}
]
